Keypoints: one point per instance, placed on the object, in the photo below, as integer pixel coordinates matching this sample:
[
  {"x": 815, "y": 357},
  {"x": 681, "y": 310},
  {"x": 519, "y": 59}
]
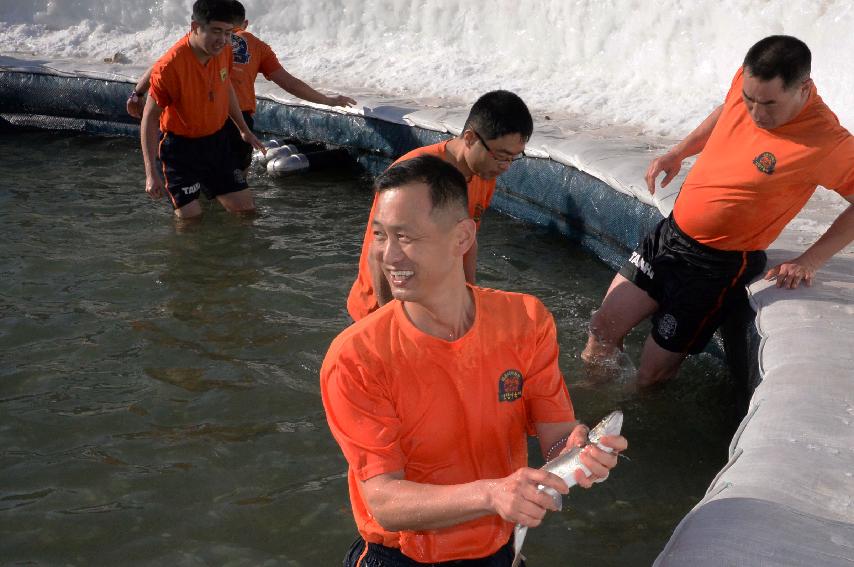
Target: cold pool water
[{"x": 159, "y": 399}]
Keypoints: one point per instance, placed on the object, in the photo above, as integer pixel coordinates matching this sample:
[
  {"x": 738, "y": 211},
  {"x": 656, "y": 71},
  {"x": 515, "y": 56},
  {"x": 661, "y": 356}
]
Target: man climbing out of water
[
  {"x": 764, "y": 150},
  {"x": 250, "y": 56},
  {"x": 494, "y": 135},
  {"x": 431, "y": 397},
  {"x": 192, "y": 98}
]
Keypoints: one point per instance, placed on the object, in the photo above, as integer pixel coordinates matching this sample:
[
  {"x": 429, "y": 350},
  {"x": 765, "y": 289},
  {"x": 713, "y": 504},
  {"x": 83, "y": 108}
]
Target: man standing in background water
[
  {"x": 191, "y": 98},
  {"x": 494, "y": 135},
  {"x": 250, "y": 57},
  {"x": 764, "y": 151}
]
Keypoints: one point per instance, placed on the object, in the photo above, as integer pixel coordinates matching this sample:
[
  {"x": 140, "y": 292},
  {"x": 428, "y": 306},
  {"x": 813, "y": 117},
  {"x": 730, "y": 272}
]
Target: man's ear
[
  {"x": 195, "y": 26},
  {"x": 469, "y": 138},
  {"x": 465, "y": 235}
]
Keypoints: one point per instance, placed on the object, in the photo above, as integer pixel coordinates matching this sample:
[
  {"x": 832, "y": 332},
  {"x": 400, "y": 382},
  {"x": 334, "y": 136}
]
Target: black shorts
[
  {"x": 381, "y": 556},
  {"x": 205, "y": 164},
  {"x": 694, "y": 285},
  {"x": 241, "y": 151}
]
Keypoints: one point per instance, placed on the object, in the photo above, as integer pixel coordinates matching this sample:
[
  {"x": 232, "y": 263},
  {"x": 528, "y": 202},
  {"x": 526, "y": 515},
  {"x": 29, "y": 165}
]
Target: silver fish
[{"x": 565, "y": 466}]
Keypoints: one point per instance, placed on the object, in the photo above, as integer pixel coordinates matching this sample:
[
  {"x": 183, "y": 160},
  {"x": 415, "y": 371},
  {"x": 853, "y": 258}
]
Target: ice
[{"x": 656, "y": 66}]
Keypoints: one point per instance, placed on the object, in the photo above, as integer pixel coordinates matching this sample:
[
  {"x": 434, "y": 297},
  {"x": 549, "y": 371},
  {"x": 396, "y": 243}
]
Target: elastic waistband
[
  {"x": 708, "y": 250},
  {"x": 395, "y": 558},
  {"x": 198, "y": 139}
]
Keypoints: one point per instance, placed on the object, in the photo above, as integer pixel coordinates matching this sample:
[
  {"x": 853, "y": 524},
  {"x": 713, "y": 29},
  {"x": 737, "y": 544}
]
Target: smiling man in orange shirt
[
  {"x": 764, "y": 151},
  {"x": 494, "y": 135},
  {"x": 431, "y": 397}
]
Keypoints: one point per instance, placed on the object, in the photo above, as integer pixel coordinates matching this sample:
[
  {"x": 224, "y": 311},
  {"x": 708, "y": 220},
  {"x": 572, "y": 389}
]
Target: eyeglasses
[{"x": 492, "y": 154}]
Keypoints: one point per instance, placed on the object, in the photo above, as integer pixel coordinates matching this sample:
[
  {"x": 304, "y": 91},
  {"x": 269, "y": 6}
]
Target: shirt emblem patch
[
  {"x": 239, "y": 49},
  {"x": 510, "y": 386},
  {"x": 765, "y": 162},
  {"x": 223, "y": 73}
]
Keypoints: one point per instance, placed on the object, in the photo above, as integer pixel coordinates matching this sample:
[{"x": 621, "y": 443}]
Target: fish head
[{"x": 611, "y": 425}]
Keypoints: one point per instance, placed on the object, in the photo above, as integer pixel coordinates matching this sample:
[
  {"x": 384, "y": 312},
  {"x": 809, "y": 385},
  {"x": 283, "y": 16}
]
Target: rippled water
[{"x": 159, "y": 399}]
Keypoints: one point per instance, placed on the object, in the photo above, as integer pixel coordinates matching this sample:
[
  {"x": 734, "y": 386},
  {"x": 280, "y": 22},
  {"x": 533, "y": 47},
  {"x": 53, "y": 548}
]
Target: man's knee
[
  {"x": 191, "y": 210},
  {"x": 239, "y": 202},
  {"x": 657, "y": 365}
]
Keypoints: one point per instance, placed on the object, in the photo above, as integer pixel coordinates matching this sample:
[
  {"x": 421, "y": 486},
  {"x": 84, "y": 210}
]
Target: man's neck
[
  {"x": 455, "y": 152},
  {"x": 200, "y": 53},
  {"x": 447, "y": 316}
]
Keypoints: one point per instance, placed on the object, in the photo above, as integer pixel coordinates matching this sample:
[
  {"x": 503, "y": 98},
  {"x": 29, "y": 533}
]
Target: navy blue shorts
[
  {"x": 194, "y": 165},
  {"x": 694, "y": 285},
  {"x": 241, "y": 151},
  {"x": 381, "y": 556}
]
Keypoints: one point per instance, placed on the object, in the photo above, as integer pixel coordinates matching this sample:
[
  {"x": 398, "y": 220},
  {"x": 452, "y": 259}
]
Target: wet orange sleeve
[
  {"x": 361, "y": 416},
  {"x": 546, "y": 396},
  {"x": 836, "y": 171},
  {"x": 159, "y": 88},
  {"x": 269, "y": 62}
]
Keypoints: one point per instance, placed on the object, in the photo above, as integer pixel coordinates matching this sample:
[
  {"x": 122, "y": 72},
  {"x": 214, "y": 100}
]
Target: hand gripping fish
[{"x": 565, "y": 466}]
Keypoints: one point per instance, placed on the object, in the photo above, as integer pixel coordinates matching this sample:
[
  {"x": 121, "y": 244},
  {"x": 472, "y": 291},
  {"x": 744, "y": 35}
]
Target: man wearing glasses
[{"x": 495, "y": 133}]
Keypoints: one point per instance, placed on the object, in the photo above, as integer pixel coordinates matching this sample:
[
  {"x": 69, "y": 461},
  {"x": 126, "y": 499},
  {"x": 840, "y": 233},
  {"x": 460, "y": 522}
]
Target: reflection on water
[{"x": 159, "y": 382}]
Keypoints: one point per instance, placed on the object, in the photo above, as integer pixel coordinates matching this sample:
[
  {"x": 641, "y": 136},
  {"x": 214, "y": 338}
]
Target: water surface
[{"x": 159, "y": 398}]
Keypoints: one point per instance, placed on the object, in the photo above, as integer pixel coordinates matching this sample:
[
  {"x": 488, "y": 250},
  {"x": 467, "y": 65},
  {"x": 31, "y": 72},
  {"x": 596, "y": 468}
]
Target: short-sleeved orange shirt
[
  {"x": 251, "y": 56},
  {"x": 362, "y": 300},
  {"x": 443, "y": 412},
  {"x": 748, "y": 183},
  {"x": 194, "y": 97}
]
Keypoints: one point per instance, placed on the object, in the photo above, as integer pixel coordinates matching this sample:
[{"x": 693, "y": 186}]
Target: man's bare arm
[
  {"x": 136, "y": 104},
  {"x": 803, "y": 268},
  {"x": 237, "y": 117},
  {"x": 149, "y": 130},
  {"x": 671, "y": 162},
  {"x": 399, "y": 504},
  {"x": 300, "y": 89}
]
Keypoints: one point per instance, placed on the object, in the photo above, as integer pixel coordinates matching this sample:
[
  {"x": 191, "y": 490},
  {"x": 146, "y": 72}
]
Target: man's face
[
  {"x": 491, "y": 158},
  {"x": 211, "y": 38},
  {"x": 769, "y": 104},
  {"x": 419, "y": 251}
]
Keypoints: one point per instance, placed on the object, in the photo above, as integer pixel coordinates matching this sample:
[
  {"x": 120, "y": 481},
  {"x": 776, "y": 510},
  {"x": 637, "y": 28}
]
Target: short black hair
[
  {"x": 207, "y": 11},
  {"x": 498, "y": 113},
  {"x": 447, "y": 185},
  {"x": 239, "y": 12},
  {"x": 781, "y": 56}
]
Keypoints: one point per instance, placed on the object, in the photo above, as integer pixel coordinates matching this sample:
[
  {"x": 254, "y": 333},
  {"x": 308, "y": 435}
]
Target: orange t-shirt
[
  {"x": 251, "y": 56},
  {"x": 748, "y": 183},
  {"x": 194, "y": 97},
  {"x": 362, "y": 300},
  {"x": 443, "y": 412}
]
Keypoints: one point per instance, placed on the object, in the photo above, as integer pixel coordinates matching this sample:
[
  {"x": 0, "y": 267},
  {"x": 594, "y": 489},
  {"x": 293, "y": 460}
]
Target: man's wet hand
[
  {"x": 517, "y": 500},
  {"x": 253, "y": 141},
  {"x": 153, "y": 186},
  {"x": 600, "y": 461},
  {"x": 135, "y": 105},
  {"x": 340, "y": 100},
  {"x": 790, "y": 274},
  {"x": 669, "y": 163}
]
